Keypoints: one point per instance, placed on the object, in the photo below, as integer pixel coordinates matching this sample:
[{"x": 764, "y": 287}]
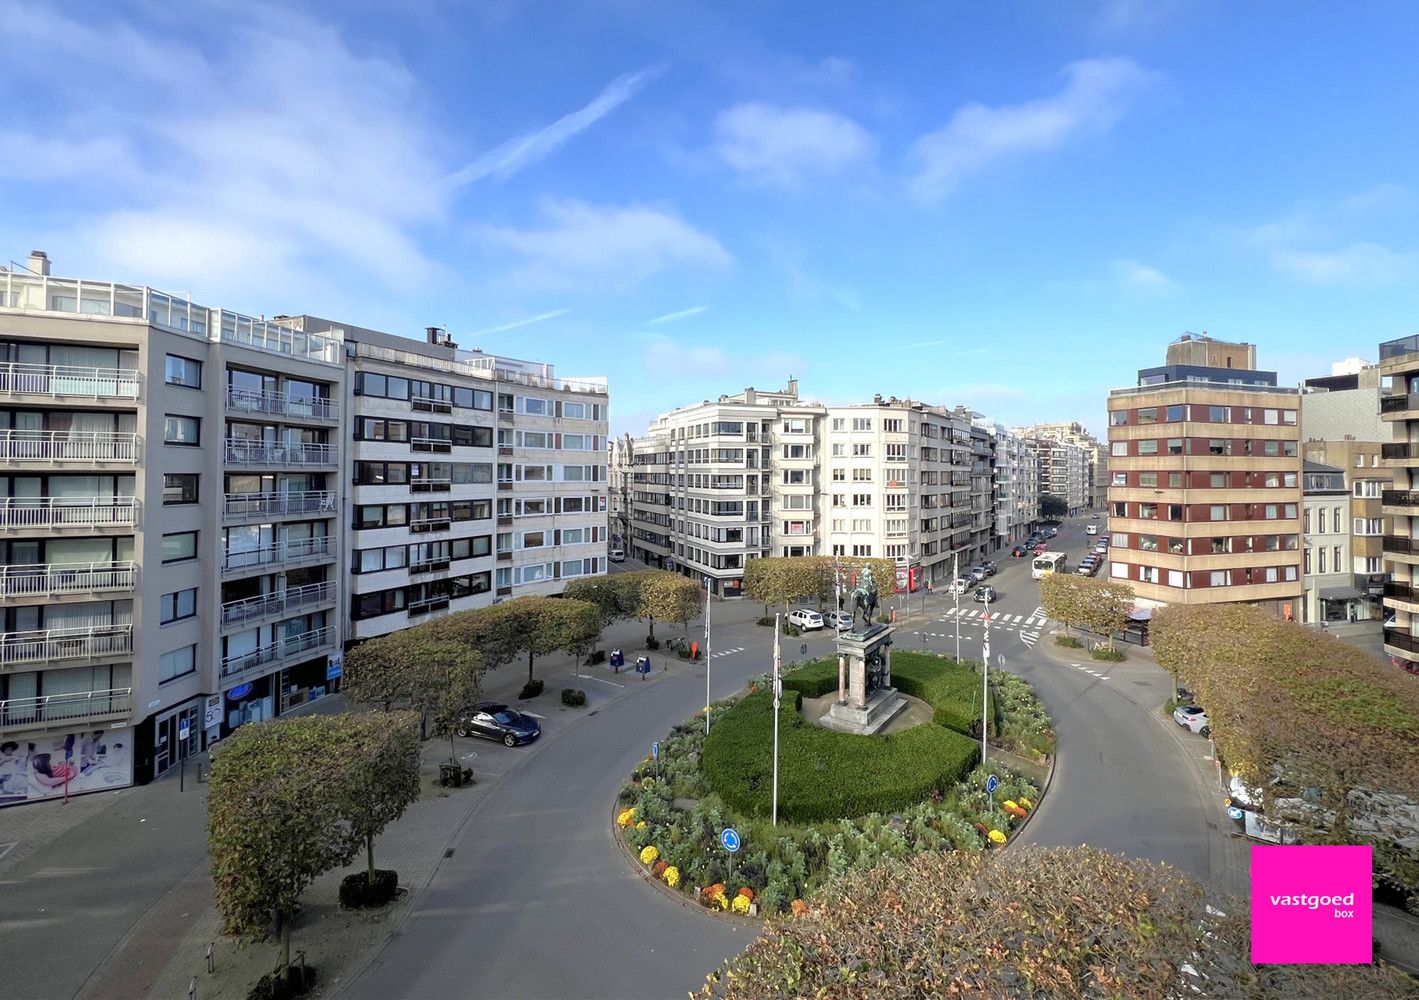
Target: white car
[
  {"x": 977, "y": 574},
  {"x": 617, "y": 555},
  {"x": 1092, "y": 529},
  {"x": 959, "y": 585},
  {"x": 1194, "y": 718},
  {"x": 838, "y": 620},
  {"x": 805, "y": 619}
]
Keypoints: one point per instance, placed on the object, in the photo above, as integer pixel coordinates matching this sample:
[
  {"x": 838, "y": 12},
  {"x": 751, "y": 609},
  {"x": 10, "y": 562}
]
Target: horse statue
[{"x": 864, "y": 598}]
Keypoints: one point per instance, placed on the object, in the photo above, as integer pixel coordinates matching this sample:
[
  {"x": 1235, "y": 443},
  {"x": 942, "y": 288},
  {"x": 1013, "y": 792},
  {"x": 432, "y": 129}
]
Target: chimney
[
  {"x": 792, "y": 389},
  {"x": 38, "y": 262}
]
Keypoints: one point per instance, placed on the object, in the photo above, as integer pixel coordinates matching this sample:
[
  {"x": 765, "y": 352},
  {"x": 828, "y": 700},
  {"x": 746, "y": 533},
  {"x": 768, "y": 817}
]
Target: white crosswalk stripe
[
  {"x": 1029, "y": 638},
  {"x": 727, "y": 652}
]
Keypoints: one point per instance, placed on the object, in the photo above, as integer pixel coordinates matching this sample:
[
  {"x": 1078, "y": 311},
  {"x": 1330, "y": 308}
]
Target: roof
[{"x": 1308, "y": 466}]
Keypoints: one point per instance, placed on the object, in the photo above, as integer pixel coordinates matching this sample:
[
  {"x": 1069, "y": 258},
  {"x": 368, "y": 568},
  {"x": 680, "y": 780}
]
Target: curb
[{"x": 1044, "y": 791}]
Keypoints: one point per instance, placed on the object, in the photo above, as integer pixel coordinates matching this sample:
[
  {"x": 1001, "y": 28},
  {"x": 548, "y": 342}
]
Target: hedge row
[
  {"x": 813, "y": 680},
  {"x": 951, "y": 690},
  {"x": 824, "y": 774}
]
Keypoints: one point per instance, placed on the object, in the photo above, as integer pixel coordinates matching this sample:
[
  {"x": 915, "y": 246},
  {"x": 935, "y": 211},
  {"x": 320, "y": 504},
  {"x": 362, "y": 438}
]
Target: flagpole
[
  {"x": 984, "y": 683},
  {"x": 707, "y": 655},
  {"x": 778, "y": 695},
  {"x": 956, "y": 599}
]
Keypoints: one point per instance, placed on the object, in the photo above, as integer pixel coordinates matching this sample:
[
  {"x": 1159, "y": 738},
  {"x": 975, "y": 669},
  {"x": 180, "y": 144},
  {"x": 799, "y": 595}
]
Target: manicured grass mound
[{"x": 828, "y": 775}]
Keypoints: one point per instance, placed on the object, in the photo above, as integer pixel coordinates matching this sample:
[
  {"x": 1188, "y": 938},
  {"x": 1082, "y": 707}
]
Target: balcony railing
[
  {"x": 56, "y": 447},
  {"x": 1400, "y": 545},
  {"x": 1400, "y": 450},
  {"x": 68, "y": 512},
  {"x": 281, "y": 649},
  {"x": 241, "y": 451},
  {"x": 1398, "y": 402},
  {"x": 427, "y": 485},
  {"x": 280, "y": 604},
  {"x": 1399, "y": 498},
  {"x": 281, "y": 404},
  {"x": 76, "y": 706},
  {"x": 56, "y": 644},
  {"x": 237, "y": 506},
  {"x": 1401, "y": 592},
  {"x": 55, "y": 579},
  {"x": 277, "y": 339},
  {"x": 296, "y": 550},
  {"x": 1402, "y": 640},
  {"x": 68, "y": 381},
  {"x": 443, "y": 445},
  {"x": 1398, "y": 348}
]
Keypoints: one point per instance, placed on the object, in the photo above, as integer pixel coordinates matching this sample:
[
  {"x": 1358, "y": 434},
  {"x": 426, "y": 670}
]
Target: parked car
[
  {"x": 1095, "y": 515},
  {"x": 838, "y": 620},
  {"x": 977, "y": 573},
  {"x": 1018, "y": 552},
  {"x": 492, "y": 721},
  {"x": 1193, "y": 717},
  {"x": 1051, "y": 532},
  {"x": 959, "y": 585},
  {"x": 990, "y": 568},
  {"x": 985, "y": 592},
  {"x": 805, "y": 619},
  {"x": 1091, "y": 529},
  {"x": 1040, "y": 549},
  {"x": 617, "y": 555}
]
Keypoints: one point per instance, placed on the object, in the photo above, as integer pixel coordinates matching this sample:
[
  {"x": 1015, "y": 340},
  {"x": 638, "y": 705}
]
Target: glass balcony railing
[
  {"x": 68, "y": 512},
  {"x": 282, "y": 604},
  {"x": 68, "y": 447},
  {"x": 56, "y": 644},
  {"x": 239, "y": 506},
  {"x": 55, "y": 579},
  {"x": 299, "y": 550},
  {"x": 241, "y": 451},
  {"x": 1400, "y": 545},
  {"x": 76, "y": 706},
  {"x": 278, "y": 651},
  {"x": 1401, "y": 451},
  {"x": 282, "y": 405},
  {"x": 68, "y": 381}
]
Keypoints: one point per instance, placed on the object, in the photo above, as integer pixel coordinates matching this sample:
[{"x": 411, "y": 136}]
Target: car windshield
[{"x": 507, "y": 718}]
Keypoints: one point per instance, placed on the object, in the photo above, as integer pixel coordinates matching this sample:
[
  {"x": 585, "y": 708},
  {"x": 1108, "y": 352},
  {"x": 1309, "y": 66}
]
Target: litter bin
[
  {"x": 642, "y": 666},
  {"x": 618, "y": 660}
]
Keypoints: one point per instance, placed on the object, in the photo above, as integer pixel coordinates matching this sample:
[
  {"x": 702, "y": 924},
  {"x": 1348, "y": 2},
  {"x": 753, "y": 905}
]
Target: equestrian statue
[{"x": 864, "y": 598}]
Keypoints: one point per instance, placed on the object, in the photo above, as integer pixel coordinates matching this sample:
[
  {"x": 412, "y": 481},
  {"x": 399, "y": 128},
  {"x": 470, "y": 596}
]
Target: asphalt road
[{"x": 536, "y": 900}]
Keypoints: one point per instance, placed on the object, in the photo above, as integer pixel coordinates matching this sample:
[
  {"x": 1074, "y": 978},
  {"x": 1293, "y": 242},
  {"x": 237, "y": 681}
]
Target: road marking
[
  {"x": 591, "y": 677},
  {"x": 727, "y": 652}
]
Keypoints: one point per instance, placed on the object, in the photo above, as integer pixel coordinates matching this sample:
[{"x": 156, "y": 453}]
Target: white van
[
  {"x": 1092, "y": 529},
  {"x": 617, "y": 555}
]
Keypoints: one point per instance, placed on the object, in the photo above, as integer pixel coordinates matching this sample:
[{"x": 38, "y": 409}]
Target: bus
[{"x": 1049, "y": 562}]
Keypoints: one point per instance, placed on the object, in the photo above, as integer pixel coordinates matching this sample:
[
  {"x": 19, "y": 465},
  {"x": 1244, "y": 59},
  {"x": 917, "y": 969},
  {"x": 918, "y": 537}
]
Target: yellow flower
[
  {"x": 672, "y": 876},
  {"x": 996, "y": 837},
  {"x": 1010, "y": 805},
  {"x": 1027, "y": 803},
  {"x": 741, "y": 904},
  {"x": 626, "y": 817},
  {"x": 648, "y": 854},
  {"x": 640, "y": 825}
]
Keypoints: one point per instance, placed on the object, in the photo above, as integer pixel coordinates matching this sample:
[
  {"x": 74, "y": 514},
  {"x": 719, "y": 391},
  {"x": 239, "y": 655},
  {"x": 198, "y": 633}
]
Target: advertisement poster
[{"x": 91, "y": 760}]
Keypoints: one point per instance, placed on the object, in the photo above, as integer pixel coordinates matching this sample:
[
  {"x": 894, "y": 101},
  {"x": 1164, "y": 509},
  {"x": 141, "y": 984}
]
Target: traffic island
[{"x": 696, "y": 814}]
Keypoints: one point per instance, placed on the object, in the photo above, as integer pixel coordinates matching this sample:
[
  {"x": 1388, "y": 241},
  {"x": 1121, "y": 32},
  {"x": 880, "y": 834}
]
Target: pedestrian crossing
[
  {"x": 732, "y": 651},
  {"x": 1090, "y": 671},
  {"x": 1035, "y": 619}
]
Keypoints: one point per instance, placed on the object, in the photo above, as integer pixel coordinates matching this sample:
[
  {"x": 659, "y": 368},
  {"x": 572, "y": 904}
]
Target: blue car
[{"x": 492, "y": 721}]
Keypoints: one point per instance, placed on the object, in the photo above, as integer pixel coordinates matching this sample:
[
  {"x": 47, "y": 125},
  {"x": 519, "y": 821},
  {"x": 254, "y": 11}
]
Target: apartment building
[
  {"x": 620, "y": 457},
  {"x": 1341, "y": 426},
  {"x": 1064, "y": 453},
  {"x": 1016, "y": 507},
  {"x": 167, "y": 523},
  {"x": 1325, "y": 548},
  {"x": 1205, "y": 491},
  {"x": 1399, "y": 362}
]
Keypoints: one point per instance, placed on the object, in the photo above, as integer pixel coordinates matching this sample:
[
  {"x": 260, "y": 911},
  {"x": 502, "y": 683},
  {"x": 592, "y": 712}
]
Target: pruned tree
[
  {"x": 1103, "y": 605},
  {"x": 278, "y": 817},
  {"x": 1061, "y": 598},
  {"x": 667, "y": 596},
  {"x": 615, "y": 597},
  {"x": 459, "y": 688},
  {"x": 781, "y": 580},
  {"x": 411, "y": 668},
  {"x": 555, "y": 624},
  {"x": 376, "y": 671},
  {"x": 1038, "y": 922},
  {"x": 381, "y": 773}
]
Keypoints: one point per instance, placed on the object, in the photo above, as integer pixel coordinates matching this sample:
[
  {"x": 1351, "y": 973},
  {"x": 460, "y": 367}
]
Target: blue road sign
[
  {"x": 991, "y": 784},
  {"x": 655, "y": 750},
  {"x": 730, "y": 839}
]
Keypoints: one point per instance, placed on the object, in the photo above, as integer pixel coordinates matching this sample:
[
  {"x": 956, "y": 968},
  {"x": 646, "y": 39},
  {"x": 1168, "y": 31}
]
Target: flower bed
[{"x": 673, "y": 808}]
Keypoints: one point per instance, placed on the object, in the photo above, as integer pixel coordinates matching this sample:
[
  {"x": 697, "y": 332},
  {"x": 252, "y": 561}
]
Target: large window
[
  {"x": 179, "y": 488},
  {"x": 179, "y": 605},
  {"x": 179, "y": 546},
  {"x": 183, "y": 371},
  {"x": 182, "y": 430},
  {"x": 177, "y": 663}
]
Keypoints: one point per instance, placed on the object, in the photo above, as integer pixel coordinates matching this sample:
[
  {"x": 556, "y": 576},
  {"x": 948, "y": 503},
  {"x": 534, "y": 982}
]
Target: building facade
[
  {"x": 1325, "y": 546},
  {"x": 1399, "y": 361},
  {"x": 1205, "y": 494}
]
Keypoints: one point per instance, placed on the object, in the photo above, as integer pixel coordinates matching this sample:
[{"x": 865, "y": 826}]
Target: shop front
[{"x": 56, "y": 763}]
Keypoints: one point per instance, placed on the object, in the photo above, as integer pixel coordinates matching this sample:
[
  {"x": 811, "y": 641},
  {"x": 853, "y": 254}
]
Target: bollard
[
  {"x": 182, "y": 775},
  {"x": 192, "y": 989},
  {"x": 211, "y": 958}
]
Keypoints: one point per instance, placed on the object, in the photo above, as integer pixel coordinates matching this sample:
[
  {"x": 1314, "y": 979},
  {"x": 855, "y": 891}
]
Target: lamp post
[
  {"x": 984, "y": 682},
  {"x": 707, "y": 654},
  {"x": 956, "y": 599},
  {"x": 778, "y": 696}
]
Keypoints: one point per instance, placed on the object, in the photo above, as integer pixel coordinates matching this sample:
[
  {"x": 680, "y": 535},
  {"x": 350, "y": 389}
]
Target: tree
[
  {"x": 1060, "y": 596},
  {"x": 278, "y": 817},
  {"x": 414, "y": 668},
  {"x": 450, "y": 694},
  {"x": 614, "y": 597},
  {"x": 376, "y": 671},
  {"x": 1103, "y": 605},
  {"x": 1038, "y": 922},
  {"x": 667, "y": 596},
  {"x": 382, "y": 773},
  {"x": 556, "y": 624},
  {"x": 1053, "y": 506}
]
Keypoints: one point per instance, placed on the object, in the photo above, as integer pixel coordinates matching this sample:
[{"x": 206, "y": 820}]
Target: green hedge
[
  {"x": 824, "y": 774},
  {"x": 953, "y": 691},
  {"x": 813, "y": 680}
]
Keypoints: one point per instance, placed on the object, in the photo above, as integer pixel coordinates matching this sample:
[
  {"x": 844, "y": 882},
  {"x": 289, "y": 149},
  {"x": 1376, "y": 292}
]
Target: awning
[
  {"x": 1140, "y": 614},
  {"x": 1338, "y": 593}
]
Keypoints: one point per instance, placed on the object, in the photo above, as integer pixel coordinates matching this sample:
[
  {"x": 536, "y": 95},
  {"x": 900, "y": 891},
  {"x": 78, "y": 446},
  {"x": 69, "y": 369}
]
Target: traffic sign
[
  {"x": 729, "y": 839},
  {"x": 991, "y": 784},
  {"x": 655, "y": 750},
  {"x": 184, "y": 730}
]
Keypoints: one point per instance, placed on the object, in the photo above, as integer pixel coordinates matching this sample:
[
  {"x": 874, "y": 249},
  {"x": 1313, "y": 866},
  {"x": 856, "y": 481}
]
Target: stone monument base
[{"x": 882, "y": 707}]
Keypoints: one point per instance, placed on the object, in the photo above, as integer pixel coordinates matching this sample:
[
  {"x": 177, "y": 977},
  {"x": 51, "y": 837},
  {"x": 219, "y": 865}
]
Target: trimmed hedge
[
  {"x": 953, "y": 691},
  {"x": 531, "y": 689},
  {"x": 573, "y": 698},
  {"x": 813, "y": 680},
  {"x": 358, "y": 892}
]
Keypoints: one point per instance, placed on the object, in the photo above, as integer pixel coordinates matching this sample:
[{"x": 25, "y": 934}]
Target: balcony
[
  {"x": 1398, "y": 545},
  {"x": 296, "y": 503},
  {"x": 1401, "y": 640},
  {"x": 427, "y": 404},
  {"x": 278, "y": 651},
  {"x": 429, "y": 566},
  {"x": 428, "y": 606},
  {"x": 282, "y": 405},
  {"x": 425, "y": 485},
  {"x": 68, "y": 447},
  {"x": 68, "y": 512},
  {"x": 295, "y": 551},
  {"x": 438, "y": 445},
  {"x": 425, "y": 524},
  {"x": 63, "y": 383},
  {"x": 1401, "y": 451},
  {"x": 241, "y": 451},
  {"x": 277, "y": 605},
  {"x": 60, "y": 579},
  {"x": 65, "y": 709},
  {"x": 57, "y": 645}
]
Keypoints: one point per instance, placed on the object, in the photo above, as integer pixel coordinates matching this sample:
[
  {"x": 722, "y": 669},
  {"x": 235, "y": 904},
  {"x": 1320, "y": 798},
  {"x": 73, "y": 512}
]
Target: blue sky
[{"x": 1010, "y": 208}]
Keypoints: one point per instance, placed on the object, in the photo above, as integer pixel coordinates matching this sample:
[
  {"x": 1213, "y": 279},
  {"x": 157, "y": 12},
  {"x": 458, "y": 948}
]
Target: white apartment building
[
  {"x": 1016, "y": 491},
  {"x": 1068, "y": 455}
]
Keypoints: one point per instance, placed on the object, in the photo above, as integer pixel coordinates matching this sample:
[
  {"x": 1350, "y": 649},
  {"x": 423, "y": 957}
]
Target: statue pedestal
[{"x": 869, "y": 701}]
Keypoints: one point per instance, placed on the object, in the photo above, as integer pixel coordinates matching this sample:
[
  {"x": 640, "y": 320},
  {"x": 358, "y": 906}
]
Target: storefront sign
[
  {"x": 212, "y": 713},
  {"x": 239, "y": 692},
  {"x": 335, "y": 666}
]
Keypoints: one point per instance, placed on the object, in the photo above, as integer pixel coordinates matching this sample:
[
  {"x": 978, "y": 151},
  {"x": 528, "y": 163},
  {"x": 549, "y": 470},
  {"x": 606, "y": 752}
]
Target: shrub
[
  {"x": 1107, "y": 654},
  {"x": 573, "y": 698},
  {"x": 949, "y": 688},
  {"x": 651, "y": 642},
  {"x": 767, "y": 621},
  {"x": 531, "y": 689},
  {"x": 358, "y": 892},
  {"x": 1068, "y": 641},
  {"x": 287, "y": 984},
  {"x": 813, "y": 680}
]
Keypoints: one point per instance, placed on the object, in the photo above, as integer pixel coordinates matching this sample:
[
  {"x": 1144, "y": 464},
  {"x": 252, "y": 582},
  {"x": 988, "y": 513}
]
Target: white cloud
[
  {"x": 681, "y": 314},
  {"x": 507, "y": 159},
  {"x": 668, "y": 359},
  {"x": 519, "y": 323},
  {"x": 587, "y": 246},
  {"x": 1095, "y": 95},
  {"x": 1132, "y": 275},
  {"x": 779, "y": 147},
  {"x": 1356, "y": 264}
]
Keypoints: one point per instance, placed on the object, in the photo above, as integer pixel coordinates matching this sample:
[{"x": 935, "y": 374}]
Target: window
[
  {"x": 839, "y": 499},
  {"x": 1306, "y": 521},
  {"x": 1219, "y": 414},
  {"x": 178, "y": 605},
  {"x": 1144, "y": 479},
  {"x": 1148, "y": 447},
  {"x": 1120, "y": 479},
  {"x": 1175, "y": 414},
  {"x": 839, "y": 475},
  {"x": 1117, "y": 418},
  {"x": 862, "y": 423},
  {"x": 179, "y": 546},
  {"x": 1175, "y": 446},
  {"x": 1335, "y": 558},
  {"x": 1367, "y": 526},
  {"x": 177, "y": 663},
  {"x": 1119, "y": 569},
  {"x": 179, "y": 488},
  {"x": 532, "y": 405},
  {"x": 839, "y": 423},
  {"x": 839, "y": 450},
  {"x": 1320, "y": 521},
  {"x": 862, "y": 475},
  {"x": 892, "y": 426},
  {"x": 1368, "y": 488},
  {"x": 1148, "y": 415},
  {"x": 1217, "y": 480},
  {"x": 1306, "y": 562},
  {"x": 577, "y": 411},
  {"x": 1175, "y": 578},
  {"x": 862, "y": 499},
  {"x": 1218, "y": 512},
  {"x": 1119, "y": 449},
  {"x": 1335, "y": 520},
  {"x": 183, "y": 371},
  {"x": 1120, "y": 540},
  {"x": 1219, "y": 578},
  {"x": 1271, "y": 416},
  {"x": 182, "y": 430},
  {"x": 1288, "y": 416},
  {"x": 861, "y": 450},
  {"x": 1322, "y": 559}
]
